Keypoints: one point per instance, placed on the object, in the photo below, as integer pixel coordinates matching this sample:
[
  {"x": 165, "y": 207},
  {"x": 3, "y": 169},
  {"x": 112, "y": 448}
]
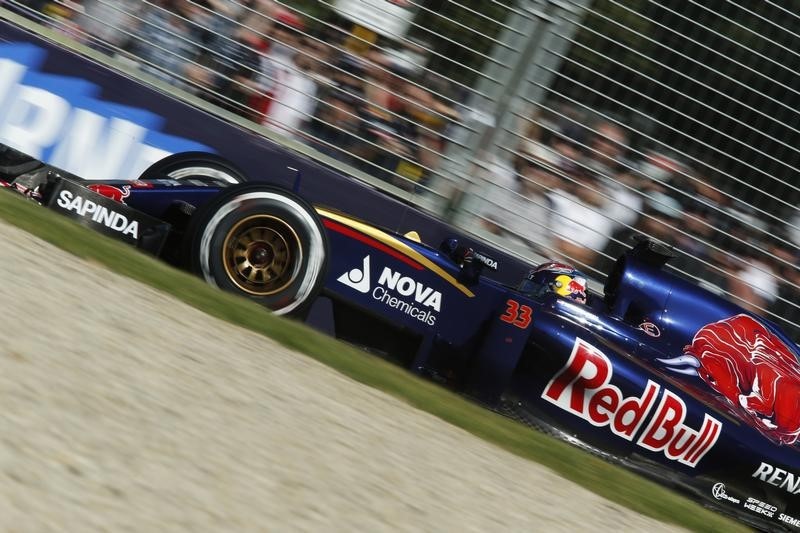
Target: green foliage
[
  {"x": 461, "y": 33},
  {"x": 612, "y": 33}
]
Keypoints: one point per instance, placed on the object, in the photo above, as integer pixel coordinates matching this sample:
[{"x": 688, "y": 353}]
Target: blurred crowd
[
  {"x": 575, "y": 186},
  {"x": 369, "y": 106}
]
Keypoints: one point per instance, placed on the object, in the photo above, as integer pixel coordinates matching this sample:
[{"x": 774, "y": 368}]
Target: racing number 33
[{"x": 516, "y": 314}]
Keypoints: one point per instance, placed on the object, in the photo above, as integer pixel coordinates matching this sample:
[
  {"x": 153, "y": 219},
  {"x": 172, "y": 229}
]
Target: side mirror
[{"x": 471, "y": 262}]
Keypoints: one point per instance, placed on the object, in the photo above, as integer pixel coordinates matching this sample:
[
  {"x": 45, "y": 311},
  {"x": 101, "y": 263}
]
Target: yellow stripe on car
[{"x": 396, "y": 244}]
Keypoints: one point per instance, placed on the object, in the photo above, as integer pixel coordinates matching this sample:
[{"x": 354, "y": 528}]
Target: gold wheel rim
[{"x": 260, "y": 254}]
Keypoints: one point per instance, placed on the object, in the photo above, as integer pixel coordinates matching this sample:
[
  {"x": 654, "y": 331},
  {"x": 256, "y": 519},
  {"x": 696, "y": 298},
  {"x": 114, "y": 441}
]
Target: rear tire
[
  {"x": 202, "y": 166},
  {"x": 261, "y": 242}
]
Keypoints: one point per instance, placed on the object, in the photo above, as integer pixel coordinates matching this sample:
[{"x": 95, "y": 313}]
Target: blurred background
[{"x": 554, "y": 129}]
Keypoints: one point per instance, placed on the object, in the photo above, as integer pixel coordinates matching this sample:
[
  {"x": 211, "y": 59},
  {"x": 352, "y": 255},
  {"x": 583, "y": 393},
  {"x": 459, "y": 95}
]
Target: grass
[{"x": 611, "y": 482}]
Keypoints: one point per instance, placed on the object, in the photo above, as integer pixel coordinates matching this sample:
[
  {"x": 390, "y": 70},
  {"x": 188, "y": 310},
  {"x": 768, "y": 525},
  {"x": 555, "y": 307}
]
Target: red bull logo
[
  {"x": 756, "y": 373},
  {"x": 577, "y": 287},
  {"x": 583, "y": 388},
  {"x": 109, "y": 191},
  {"x": 569, "y": 287}
]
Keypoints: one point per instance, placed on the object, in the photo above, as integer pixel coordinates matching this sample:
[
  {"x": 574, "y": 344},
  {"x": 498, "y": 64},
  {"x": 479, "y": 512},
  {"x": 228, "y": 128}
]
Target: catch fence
[{"x": 558, "y": 128}]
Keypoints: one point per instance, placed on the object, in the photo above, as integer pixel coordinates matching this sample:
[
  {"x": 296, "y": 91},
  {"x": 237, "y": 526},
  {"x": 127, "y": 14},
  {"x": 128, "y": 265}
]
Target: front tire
[
  {"x": 264, "y": 243},
  {"x": 202, "y": 166}
]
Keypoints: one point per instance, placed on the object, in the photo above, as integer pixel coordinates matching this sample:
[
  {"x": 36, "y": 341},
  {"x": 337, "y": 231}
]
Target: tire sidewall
[
  {"x": 220, "y": 218},
  {"x": 195, "y": 164}
]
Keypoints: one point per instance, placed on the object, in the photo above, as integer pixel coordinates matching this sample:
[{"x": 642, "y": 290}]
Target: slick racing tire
[
  {"x": 261, "y": 242},
  {"x": 201, "y": 166}
]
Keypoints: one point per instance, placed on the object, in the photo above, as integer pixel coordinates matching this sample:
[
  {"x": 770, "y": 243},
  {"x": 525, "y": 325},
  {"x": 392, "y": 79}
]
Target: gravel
[{"x": 123, "y": 409}]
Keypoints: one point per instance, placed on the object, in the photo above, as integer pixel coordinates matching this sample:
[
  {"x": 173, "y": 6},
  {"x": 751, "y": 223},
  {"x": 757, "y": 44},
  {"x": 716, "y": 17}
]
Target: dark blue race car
[{"x": 654, "y": 373}]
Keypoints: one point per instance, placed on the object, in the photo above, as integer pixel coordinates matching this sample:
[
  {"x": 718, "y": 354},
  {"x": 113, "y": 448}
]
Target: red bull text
[{"x": 583, "y": 387}]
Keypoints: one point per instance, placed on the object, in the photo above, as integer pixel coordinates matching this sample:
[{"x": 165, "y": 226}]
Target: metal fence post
[{"x": 497, "y": 101}]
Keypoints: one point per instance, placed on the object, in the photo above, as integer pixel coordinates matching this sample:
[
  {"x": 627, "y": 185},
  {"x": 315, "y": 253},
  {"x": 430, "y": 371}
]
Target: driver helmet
[{"x": 554, "y": 277}]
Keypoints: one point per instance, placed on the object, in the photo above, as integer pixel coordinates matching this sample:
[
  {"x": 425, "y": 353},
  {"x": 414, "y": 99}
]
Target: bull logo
[
  {"x": 650, "y": 329},
  {"x": 749, "y": 366},
  {"x": 109, "y": 191}
]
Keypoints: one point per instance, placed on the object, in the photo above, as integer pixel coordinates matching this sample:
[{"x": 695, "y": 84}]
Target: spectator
[
  {"x": 294, "y": 98},
  {"x": 607, "y": 158},
  {"x": 204, "y": 25},
  {"x": 284, "y": 35},
  {"x": 336, "y": 123},
  {"x": 752, "y": 281},
  {"x": 660, "y": 215},
  {"x": 164, "y": 44},
  {"x": 518, "y": 202},
  {"x": 568, "y": 148},
  {"x": 415, "y": 124},
  {"x": 62, "y": 16},
  {"x": 700, "y": 225},
  {"x": 230, "y": 80},
  {"x": 213, "y": 23},
  {"x": 348, "y": 75},
  {"x": 697, "y": 223},
  {"x": 399, "y": 125},
  {"x": 784, "y": 307},
  {"x": 528, "y": 214},
  {"x": 320, "y": 57},
  {"x": 793, "y": 229},
  {"x": 750, "y": 276},
  {"x": 503, "y": 186},
  {"x": 659, "y": 168},
  {"x": 380, "y": 83},
  {"x": 106, "y": 24},
  {"x": 230, "y": 10},
  {"x": 560, "y": 119},
  {"x": 580, "y": 224},
  {"x": 382, "y": 140},
  {"x": 608, "y": 147},
  {"x": 289, "y": 92}
]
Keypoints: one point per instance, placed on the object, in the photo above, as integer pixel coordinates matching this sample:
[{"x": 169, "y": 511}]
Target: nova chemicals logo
[
  {"x": 397, "y": 291},
  {"x": 357, "y": 279}
]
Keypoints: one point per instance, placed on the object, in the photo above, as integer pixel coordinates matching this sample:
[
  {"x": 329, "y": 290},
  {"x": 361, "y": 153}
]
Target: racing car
[{"x": 653, "y": 372}]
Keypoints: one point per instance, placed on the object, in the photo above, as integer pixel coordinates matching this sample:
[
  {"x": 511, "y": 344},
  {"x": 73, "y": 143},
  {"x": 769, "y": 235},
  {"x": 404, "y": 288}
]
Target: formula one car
[{"x": 654, "y": 373}]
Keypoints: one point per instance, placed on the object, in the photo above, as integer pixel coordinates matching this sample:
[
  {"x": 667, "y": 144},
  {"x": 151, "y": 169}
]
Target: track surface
[{"x": 124, "y": 410}]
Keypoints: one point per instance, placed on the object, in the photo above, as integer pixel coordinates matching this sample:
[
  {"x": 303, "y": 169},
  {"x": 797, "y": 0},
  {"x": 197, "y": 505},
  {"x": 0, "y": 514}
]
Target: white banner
[{"x": 389, "y": 18}]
